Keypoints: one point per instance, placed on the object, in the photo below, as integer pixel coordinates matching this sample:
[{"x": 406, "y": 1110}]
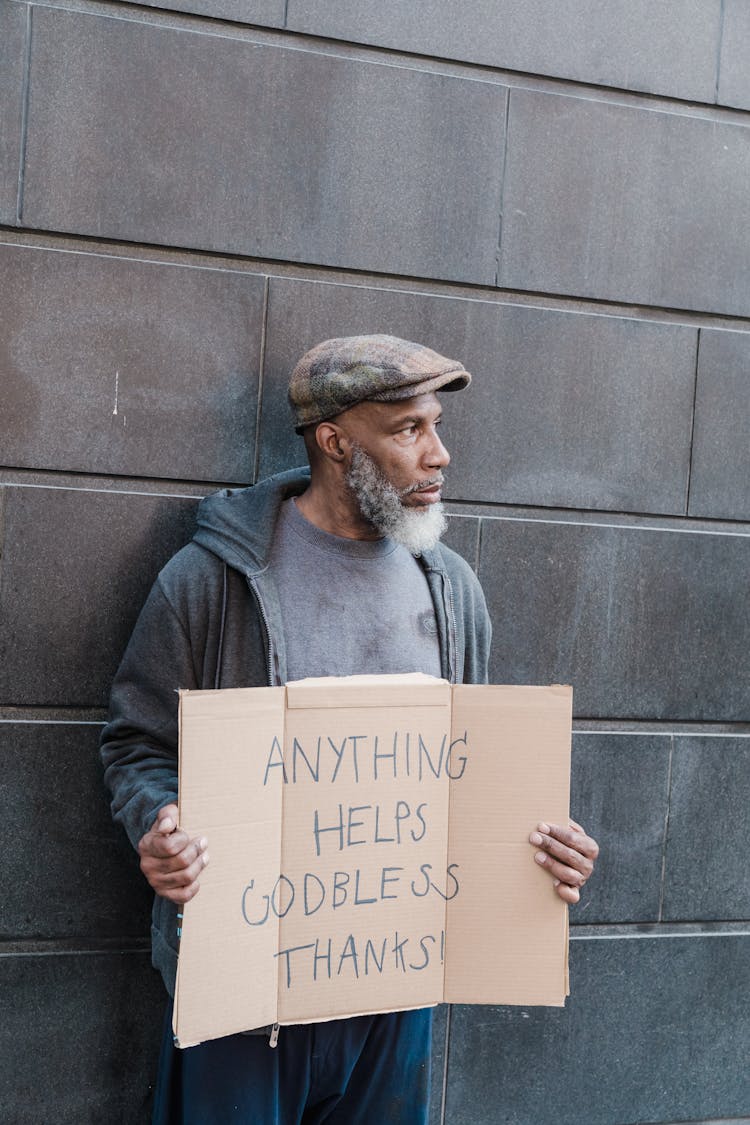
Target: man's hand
[
  {"x": 568, "y": 854},
  {"x": 170, "y": 860}
]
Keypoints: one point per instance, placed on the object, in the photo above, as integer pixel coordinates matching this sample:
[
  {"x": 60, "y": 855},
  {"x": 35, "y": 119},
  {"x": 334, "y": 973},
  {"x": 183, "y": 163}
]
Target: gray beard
[{"x": 381, "y": 505}]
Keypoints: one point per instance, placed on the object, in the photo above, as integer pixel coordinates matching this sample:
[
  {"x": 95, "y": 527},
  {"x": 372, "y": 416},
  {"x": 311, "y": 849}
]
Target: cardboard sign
[{"x": 369, "y": 849}]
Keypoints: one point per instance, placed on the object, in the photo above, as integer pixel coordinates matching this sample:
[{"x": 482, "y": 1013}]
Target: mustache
[{"x": 420, "y": 484}]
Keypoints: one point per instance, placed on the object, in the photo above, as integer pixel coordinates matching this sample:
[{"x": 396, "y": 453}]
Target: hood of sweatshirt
[{"x": 237, "y": 524}]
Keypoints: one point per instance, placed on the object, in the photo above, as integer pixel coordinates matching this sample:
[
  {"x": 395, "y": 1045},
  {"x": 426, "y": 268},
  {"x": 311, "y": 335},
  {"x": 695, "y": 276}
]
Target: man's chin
[{"x": 419, "y": 528}]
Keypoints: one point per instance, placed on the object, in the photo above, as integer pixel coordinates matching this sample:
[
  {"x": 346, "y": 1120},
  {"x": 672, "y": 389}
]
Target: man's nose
[{"x": 437, "y": 456}]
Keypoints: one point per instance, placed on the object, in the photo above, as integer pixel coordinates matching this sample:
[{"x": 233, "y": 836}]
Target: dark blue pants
[{"x": 367, "y": 1070}]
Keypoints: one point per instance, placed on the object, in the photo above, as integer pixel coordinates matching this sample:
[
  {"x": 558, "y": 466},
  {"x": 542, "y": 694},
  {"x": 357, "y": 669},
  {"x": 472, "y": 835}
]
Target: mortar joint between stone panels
[
  {"x": 660, "y": 728},
  {"x": 478, "y": 546},
  {"x": 719, "y": 45},
  {"x": 99, "y": 482},
  {"x": 81, "y": 946},
  {"x": 647, "y": 931},
  {"x": 30, "y": 714},
  {"x": 620, "y": 308},
  {"x": 692, "y": 422},
  {"x": 3, "y": 508},
  {"x": 503, "y": 168},
  {"x": 665, "y": 839},
  {"x": 261, "y": 370},
  {"x": 286, "y": 14},
  {"x": 25, "y": 94},
  {"x": 504, "y": 512}
]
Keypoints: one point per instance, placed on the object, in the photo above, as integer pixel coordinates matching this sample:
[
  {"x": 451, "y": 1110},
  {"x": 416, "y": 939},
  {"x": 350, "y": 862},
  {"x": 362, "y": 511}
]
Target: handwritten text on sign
[{"x": 367, "y": 763}]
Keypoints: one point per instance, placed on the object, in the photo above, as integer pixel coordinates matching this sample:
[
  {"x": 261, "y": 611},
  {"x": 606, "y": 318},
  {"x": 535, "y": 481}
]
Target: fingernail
[
  {"x": 535, "y": 839},
  {"x": 543, "y": 827},
  {"x": 540, "y": 857},
  {"x": 203, "y": 843},
  {"x": 167, "y": 824},
  {"x": 205, "y": 857},
  {"x": 555, "y": 882}
]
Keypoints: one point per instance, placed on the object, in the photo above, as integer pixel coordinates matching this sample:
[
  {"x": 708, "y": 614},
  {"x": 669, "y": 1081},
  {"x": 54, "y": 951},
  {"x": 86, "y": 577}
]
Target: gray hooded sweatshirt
[{"x": 213, "y": 620}]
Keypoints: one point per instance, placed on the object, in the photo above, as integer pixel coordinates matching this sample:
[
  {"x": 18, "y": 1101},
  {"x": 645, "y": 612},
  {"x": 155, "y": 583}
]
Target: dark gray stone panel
[
  {"x": 108, "y": 365},
  {"x": 706, "y": 873},
  {"x": 130, "y": 137},
  {"x": 720, "y": 468},
  {"x": 77, "y": 567},
  {"x": 655, "y": 1029},
  {"x": 12, "y": 66},
  {"x": 612, "y": 201},
  {"x": 619, "y": 794},
  {"x": 550, "y": 389},
  {"x": 69, "y": 872},
  {"x": 669, "y": 48},
  {"x": 644, "y": 623},
  {"x": 267, "y": 13},
  {"x": 463, "y": 536},
  {"x": 734, "y": 62},
  {"x": 79, "y": 1038}
]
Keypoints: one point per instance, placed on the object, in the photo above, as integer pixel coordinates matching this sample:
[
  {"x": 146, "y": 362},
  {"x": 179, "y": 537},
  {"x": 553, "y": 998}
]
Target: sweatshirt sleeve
[{"x": 139, "y": 743}]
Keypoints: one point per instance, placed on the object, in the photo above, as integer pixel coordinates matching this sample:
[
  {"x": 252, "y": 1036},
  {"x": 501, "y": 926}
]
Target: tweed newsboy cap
[{"x": 339, "y": 373}]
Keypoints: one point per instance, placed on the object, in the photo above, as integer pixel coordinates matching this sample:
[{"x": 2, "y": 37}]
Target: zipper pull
[{"x": 274, "y": 1036}]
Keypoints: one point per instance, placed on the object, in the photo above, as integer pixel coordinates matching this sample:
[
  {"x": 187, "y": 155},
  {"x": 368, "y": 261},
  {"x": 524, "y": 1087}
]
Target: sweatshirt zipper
[
  {"x": 269, "y": 645},
  {"x": 451, "y": 615},
  {"x": 273, "y": 1038}
]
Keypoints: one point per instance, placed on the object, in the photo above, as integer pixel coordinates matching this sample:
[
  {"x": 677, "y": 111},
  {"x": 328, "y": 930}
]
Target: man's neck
[{"x": 336, "y": 512}]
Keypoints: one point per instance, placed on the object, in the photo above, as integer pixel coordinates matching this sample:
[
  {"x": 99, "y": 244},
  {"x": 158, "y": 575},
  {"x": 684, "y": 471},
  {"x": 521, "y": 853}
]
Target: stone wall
[{"x": 555, "y": 193}]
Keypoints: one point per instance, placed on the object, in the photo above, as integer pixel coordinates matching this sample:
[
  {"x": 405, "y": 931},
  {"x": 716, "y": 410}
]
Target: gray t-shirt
[{"x": 350, "y": 606}]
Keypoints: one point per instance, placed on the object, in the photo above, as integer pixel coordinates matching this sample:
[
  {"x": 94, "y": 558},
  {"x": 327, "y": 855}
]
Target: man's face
[
  {"x": 395, "y": 470},
  {"x": 402, "y": 439}
]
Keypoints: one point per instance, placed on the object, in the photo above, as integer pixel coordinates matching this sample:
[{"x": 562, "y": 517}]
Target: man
[{"x": 332, "y": 571}]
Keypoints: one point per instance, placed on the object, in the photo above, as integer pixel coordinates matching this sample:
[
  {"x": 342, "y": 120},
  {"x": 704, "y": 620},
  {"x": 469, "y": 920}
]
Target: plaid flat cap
[{"x": 339, "y": 373}]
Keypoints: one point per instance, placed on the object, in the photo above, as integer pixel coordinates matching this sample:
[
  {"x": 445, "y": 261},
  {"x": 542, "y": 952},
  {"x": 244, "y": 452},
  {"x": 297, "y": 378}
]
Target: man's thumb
[{"x": 165, "y": 823}]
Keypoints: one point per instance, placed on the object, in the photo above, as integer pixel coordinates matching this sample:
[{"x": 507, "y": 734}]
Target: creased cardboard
[{"x": 368, "y": 841}]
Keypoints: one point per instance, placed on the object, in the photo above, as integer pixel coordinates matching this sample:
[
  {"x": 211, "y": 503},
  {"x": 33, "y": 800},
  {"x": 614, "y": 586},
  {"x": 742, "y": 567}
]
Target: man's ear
[{"x": 332, "y": 441}]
